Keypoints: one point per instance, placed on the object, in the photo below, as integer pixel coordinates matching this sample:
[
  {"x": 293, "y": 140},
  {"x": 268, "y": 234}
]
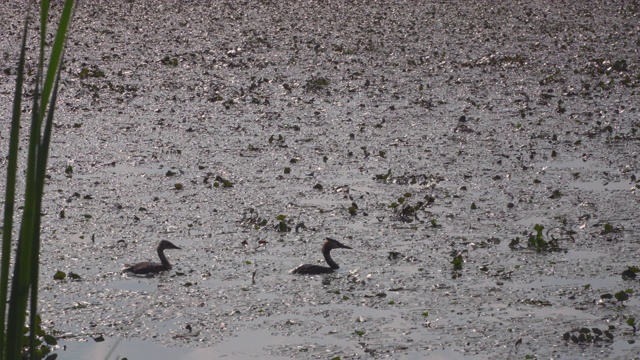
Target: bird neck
[
  {"x": 329, "y": 260},
  {"x": 163, "y": 259}
]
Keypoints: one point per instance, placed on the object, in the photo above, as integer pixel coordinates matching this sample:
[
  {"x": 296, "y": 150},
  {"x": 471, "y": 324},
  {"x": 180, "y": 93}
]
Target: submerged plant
[{"x": 25, "y": 276}]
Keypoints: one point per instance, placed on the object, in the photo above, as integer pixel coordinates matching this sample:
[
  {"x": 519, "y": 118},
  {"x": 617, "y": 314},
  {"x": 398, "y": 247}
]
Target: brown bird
[
  {"x": 153, "y": 267},
  {"x": 310, "y": 269}
]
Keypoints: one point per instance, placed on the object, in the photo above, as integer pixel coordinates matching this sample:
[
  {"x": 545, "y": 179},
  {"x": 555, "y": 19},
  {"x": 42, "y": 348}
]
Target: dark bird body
[
  {"x": 153, "y": 267},
  {"x": 311, "y": 269}
]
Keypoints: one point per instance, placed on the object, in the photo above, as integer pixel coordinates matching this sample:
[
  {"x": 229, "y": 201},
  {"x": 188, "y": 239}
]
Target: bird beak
[{"x": 339, "y": 244}]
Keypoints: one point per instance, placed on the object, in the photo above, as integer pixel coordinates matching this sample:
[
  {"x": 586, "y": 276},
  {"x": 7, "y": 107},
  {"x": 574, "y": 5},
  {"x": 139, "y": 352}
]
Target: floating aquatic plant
[
  {"x": 630, "y": 273},
  {"x": 282, "y": 226},
  {"x": 537, "y": 241},
  {"x": 384, "y": 177},
  {"x": 169, "y": 61},
  {"x": 220, "y": 181},
  {"x": 632, "y": 322}
]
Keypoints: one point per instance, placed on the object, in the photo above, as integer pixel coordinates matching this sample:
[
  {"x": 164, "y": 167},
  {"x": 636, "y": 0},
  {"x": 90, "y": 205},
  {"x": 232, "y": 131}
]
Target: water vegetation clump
[
  {"x": 92, "y": 72},
  {"x": 585, "y": 335},
  {"x": 169, "y": 61},
  {"x": 251, "y": 218},
  {"x": 404, "y": 211},
  {"x": 316, "y": 84},
  {"x": 537, "y": 241},
  {"x": 282, "y": 226},
  {"x": 222, "y": 182}
]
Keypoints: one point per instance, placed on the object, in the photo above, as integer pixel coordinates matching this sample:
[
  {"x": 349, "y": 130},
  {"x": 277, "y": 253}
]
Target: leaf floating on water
[
  {"x": 282, "y": 227},
  {"x": 622, "y": 296},
  {"x": 384, "y": 177},
  {"x": 59, "y": 275},
  {"x": 74, "y": 276},
  {"x": 556, "y": 194},
  {"x": 99, "y": 338},
  {"x": 630, "y": 273},
  {"x": 584, "y": 330},
  {"x": 222, "y": 181}
]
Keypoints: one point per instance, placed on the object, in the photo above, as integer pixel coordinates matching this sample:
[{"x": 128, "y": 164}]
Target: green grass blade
[
  {"x": 10, "y": 191},
  {"x": 43, "y": 156},
  {"x": 56, "y": 55},
  {"x": 26, "y": 271}
]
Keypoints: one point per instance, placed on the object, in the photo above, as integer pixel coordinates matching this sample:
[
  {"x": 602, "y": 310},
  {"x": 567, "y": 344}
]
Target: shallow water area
[
  {"x": 131, "y": 349},
  {"x": 434, "y": 138}
]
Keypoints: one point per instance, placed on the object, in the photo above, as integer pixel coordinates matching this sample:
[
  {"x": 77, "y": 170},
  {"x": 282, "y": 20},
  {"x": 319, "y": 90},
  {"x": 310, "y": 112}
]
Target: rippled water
[{"x": 497, "y": 117}]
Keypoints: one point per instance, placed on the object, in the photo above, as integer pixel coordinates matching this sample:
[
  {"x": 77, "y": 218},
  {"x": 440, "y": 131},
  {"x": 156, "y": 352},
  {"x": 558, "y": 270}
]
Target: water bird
[
  {"x": 310, "y": 269},
  {"x": 153, "y": 267}
]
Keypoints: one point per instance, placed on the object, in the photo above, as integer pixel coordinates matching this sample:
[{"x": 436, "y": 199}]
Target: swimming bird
[
  {"x": 310, "y": 269},
  {"x": 153, "y": 267}
]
